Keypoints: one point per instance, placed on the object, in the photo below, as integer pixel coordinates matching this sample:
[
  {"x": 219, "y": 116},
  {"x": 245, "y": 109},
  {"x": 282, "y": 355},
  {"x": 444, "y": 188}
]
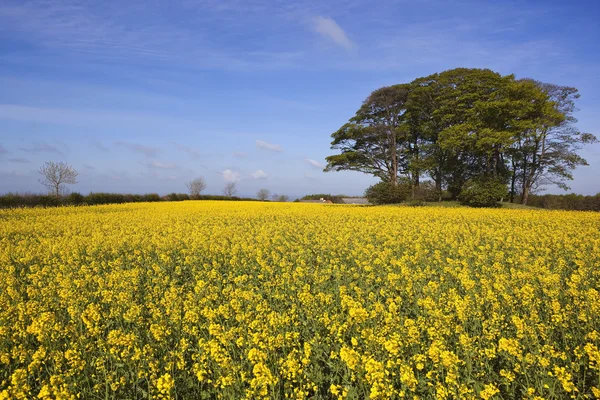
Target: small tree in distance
[
  {"x": 196, "y": 186},
  {"x": 280, "y": 197},
  {"x": 262, "y": 194},
  {"x": 57, "y": 174},
  {"x": 230, "y": 189}
]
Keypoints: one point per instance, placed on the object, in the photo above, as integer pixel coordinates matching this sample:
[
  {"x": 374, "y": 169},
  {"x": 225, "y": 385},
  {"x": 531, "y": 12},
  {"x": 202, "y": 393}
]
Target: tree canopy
[{"x": 462, "y": 124}]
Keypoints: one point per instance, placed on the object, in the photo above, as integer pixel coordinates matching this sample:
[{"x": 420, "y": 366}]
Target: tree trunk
[
  {"x": 513, "y": 180},
  {"x": 394, "y": 150},
  {"x": 438, "y": 183},
  {"x": 525, "y": 195},
  {"x": 525, "y": 166}
]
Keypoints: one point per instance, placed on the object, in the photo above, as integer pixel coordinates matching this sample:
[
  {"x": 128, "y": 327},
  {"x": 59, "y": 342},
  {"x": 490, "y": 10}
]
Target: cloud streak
[
  {"x": 314, "y": 163},
  {"x": 159, "y": 165},
  {"x": 19, "y": 160},
  {"x": 42, "y": 147},
  {"x": 268, "y": 146},
  {"x": 330, "y": 30},
  {"x": 189, "y": 150},
  {"x": 144, "y": 150}
]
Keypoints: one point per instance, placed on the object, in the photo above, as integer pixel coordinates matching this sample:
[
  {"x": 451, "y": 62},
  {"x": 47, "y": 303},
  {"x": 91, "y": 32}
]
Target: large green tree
[
  {"x": 462, "y": 124},
  {"x": 372, "y": 141}
]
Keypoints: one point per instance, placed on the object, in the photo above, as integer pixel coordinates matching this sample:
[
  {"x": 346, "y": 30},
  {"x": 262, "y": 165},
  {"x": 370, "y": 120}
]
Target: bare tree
[
  {"x": 280, "y": 197},
  {"x": 196, "y": 186},
  {"x": 263, "y": 194},
  {"x": 57, "y": 174},
  {"x": 230, "y": 189}
]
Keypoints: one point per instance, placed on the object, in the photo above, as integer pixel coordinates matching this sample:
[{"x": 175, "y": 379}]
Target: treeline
[
  {"x": 14, "y": 200},
  {"x": 467, "y": 130},
  {"x": 566, "y": 202}
]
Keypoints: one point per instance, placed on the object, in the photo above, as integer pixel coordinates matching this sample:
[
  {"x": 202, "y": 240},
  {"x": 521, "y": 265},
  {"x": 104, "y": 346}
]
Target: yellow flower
[{"x": 489, "y": 391}]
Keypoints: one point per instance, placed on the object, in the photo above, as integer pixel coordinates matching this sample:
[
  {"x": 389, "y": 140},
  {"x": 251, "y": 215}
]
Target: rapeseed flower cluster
[{"x": 234, "y": 300}]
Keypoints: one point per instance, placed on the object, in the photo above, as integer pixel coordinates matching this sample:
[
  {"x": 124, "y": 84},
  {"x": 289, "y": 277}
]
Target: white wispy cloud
[
  {"x": 268, "y": 146},
  {"x": 259, "y": 174},
  {"x": 230, "y": 176},
  {"x": 160, "y": 165},
  {"x": 329, "y": 29},
  {"x": 314, "y": 163},
  {"x": 147, "y": 151}
]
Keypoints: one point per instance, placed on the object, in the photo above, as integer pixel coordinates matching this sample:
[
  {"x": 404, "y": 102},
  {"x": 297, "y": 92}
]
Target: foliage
[
  {"x": 178, "y": 197},
  {"x": 416, "y": 203},
  {"x": 483, "y": 192},
  {"x": 75, "y": 199},
  {"x": 260, "y": 300},
  {"x": 105, "y": 198},
  {"x": 387, "y": 193},
  {"x": 369, "y": 142},
  {"x": 427, "y": 191}
]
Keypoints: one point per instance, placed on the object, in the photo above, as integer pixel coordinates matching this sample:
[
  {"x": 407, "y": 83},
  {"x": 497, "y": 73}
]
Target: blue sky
[{"x": 142, "y": 96}]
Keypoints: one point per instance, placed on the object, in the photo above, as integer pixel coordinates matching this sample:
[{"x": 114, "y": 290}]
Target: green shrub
[
  {"x": 10, "y": 200},
  {"x": 416, "y": 203},
  {"x": 75, "y": 199},
  {"x": 150, "y": 197},
  {"x": 49, "y": 201},
  {"x": 171, "y": 197},
  {"x": 105, "y": 198},
  {"x": 483, "y": 192},
  {"x": 386, "y": 193},
  {"x": 426, "y": 191}
]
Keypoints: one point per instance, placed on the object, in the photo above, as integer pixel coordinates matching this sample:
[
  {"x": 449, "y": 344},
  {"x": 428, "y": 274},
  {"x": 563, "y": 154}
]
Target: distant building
[{"x": 355, "y": 200}]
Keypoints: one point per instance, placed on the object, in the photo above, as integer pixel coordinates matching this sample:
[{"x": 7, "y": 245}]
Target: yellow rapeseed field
[{"x": 232, "y": 300}]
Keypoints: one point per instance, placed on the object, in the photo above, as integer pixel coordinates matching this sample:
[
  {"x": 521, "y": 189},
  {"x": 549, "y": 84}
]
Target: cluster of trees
[{"x": 465, "y": 128}]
